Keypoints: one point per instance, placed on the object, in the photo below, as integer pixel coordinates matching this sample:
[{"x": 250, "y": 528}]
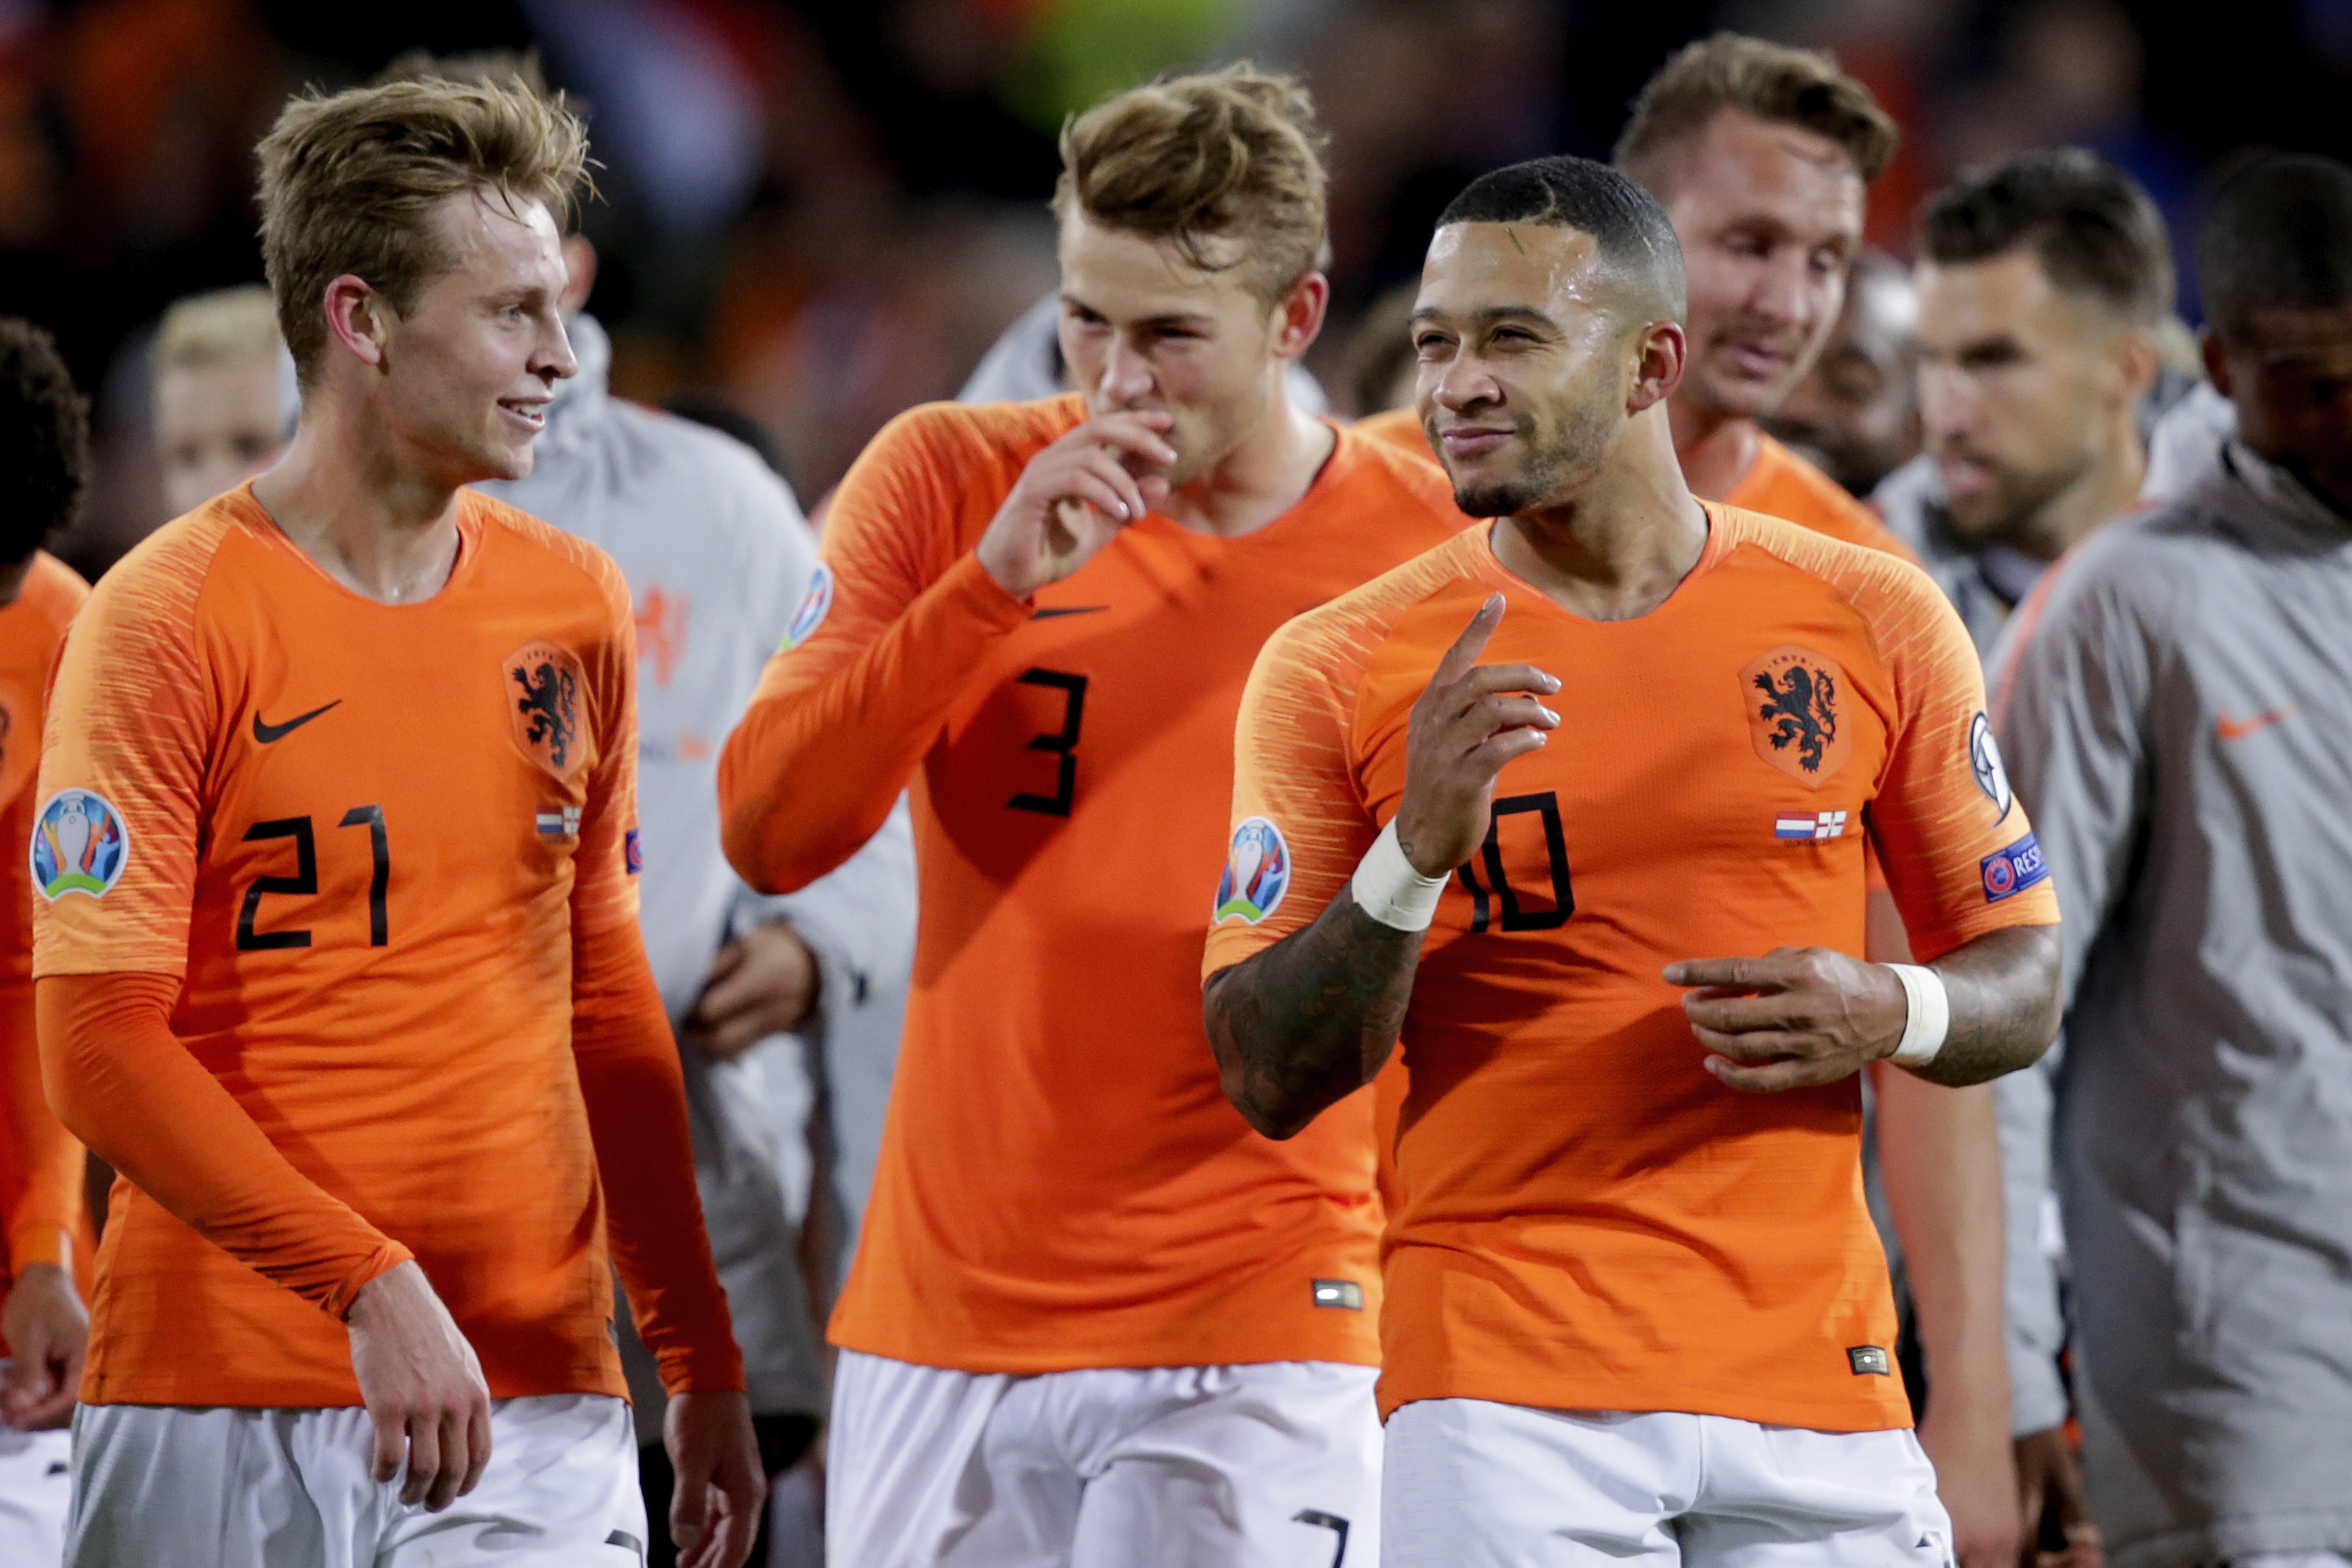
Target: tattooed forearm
[
  {"x": 2004, "y": 991},
  {"x": 1310, "y": 1019}
]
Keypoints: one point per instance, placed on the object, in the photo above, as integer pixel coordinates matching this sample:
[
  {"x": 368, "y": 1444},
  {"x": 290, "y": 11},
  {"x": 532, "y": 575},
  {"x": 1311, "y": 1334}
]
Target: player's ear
[
  {"x": 358, "y": 319},
  {"x": 1298, "y": 318},
  {"x": 2137, "y": 359},
  {"x": 1657, "y": 351}
]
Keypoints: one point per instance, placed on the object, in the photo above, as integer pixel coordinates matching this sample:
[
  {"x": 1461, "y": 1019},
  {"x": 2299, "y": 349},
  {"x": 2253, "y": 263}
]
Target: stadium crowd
[{"x": 623, "y": 813}]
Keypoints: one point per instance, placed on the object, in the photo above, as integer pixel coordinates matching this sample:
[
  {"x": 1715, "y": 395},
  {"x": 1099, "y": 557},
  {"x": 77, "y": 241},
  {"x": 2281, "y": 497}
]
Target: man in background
[
  {"x": 764, "y": 993},
  {"x": 2043, "y": 284},
  {"x": 226, "y": 400},
  {"x": 1857, "y": 414},
  {"x": 2175, "y": 704},
  {"x": 44, "y": 1237}
]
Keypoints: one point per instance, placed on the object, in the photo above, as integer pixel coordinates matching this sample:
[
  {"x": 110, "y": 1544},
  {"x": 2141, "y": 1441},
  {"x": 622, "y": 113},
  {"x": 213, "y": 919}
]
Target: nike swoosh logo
[
  {"x": 1049, "y": 614},
  {"x": 267, "y": 733},
  {"x": 2238, "y": 729}
]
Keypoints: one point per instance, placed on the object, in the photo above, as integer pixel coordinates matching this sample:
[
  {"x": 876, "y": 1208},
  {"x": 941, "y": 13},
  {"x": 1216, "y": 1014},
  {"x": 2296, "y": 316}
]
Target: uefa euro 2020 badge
[
  {"x": 79, "y": 845},
  {"x": 812, "y": 610},
  {"x": 1257, "y": 872}
]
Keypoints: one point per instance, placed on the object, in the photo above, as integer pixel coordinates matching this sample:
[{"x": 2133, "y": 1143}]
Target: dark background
[{"x": 825, "y": 212}]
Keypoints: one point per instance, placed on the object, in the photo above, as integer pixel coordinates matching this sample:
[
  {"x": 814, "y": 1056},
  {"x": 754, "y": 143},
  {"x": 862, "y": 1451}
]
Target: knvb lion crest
[
  {"x": 544, "y": 687},
  {"x": 1793, "y": 696}
]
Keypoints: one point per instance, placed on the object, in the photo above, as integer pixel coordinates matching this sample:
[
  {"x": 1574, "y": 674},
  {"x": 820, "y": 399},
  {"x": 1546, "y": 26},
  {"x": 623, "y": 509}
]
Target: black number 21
[{"x": 305, "y": 880}]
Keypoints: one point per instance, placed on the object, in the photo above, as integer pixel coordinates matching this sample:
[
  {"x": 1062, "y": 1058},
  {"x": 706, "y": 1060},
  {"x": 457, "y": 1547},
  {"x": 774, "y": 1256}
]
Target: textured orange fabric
[
  {"x": 1780, "y": 484},
  {"x": 374, "y": 885},
  {"x": 1061, "y": 1183},
  {"x": 1400, "y": 428},
  {"x": 41, "y": 1163},
  {"x": 1590, "y": 1220}
]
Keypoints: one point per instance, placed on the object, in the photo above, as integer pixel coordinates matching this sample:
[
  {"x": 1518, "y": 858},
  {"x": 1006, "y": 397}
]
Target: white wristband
[
  {"x": 1930, "y": 1015},
  {"x": 1391, "y": 889}
]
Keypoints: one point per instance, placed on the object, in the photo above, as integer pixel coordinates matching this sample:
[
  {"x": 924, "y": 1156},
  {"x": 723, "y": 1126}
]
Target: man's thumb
[{"x": 689, "y": 1512}]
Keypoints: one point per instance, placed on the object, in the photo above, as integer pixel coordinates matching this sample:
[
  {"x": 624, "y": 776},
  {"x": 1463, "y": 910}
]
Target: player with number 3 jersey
[{"x": 1091, "y": 1309}]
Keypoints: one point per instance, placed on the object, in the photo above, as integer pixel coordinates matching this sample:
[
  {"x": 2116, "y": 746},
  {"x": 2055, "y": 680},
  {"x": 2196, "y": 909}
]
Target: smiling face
[
  {"x": 468, "y": 371},
  {"x": 1528, "y": 348},
  {"x": 2019, "y": 383},
  {"x": 1144, "y": 330},
  {"x": 1769, "y": 216}
]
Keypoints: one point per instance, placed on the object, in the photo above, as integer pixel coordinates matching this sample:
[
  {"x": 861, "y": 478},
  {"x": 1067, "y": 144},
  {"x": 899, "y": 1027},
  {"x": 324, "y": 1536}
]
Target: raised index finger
[
  {"x": 1471, "y": 643},
  {"x": 1138, "y": 434},
  {"x": 1744, "y": 974}
]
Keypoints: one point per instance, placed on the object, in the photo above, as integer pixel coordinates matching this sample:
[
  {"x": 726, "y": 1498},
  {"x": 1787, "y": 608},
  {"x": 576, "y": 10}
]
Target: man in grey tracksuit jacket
[
  {"x": 718, "y": 558},
  {"x": 2177, "y": 717}
]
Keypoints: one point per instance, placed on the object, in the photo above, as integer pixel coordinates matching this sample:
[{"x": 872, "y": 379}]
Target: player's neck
[
  {"x": 1623, "y": 543},
  {"x": 2103, "y": 491},
  {"x": 1264, "y": 476},
  {"x": 1714, "y": 446},
  {"x": 351, "y": 499}
]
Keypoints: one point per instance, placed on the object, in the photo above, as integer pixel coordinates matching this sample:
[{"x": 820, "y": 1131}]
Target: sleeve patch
[
  {"x": 79, "y": 845},
  {"x": 812, "y": 610},
  {"x": 2013, "y": 869},
  {"x": 1257, "y": 872},
  {"x": 1984, "y": 761},
  {"x": 633, "y": 852}
]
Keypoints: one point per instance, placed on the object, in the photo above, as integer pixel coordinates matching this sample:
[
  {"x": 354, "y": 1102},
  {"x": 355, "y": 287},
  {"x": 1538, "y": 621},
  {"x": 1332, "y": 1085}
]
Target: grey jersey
[
  {"x": 718, "y": 558},
  {"x": 2178, "y": 719}
]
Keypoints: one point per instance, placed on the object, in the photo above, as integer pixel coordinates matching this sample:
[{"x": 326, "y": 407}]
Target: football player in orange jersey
[
  {"x": 1637, "y": 1310},
  {"x": 337, "y": 951},
  {"x": 44, "y": 450},
  {"x": 1093, "y": 1318}
]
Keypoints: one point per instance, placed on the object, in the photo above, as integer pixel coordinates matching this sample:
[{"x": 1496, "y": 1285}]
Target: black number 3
[
  {"x": 305, "y": 880},
  {"x": 1062, "y": 744},
  {"x": 1517, "y": 917}
]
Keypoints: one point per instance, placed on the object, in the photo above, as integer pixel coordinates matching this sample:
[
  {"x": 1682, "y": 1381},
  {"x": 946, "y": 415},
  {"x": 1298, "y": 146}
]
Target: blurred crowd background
[{"x": 822, "y": 213}]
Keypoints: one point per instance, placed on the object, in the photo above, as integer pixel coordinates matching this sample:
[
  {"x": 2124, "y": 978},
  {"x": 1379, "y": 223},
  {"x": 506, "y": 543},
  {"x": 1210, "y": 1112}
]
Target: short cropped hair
[
  {"x": 239, "y": 323},
  {"x": 2093, "y": 229},
  {"x": 44, "y": 440},
  {"x": 2278, "y": 235},
  {"x": 1228, "y": 155},
  {"x": 350, "y": 183},
  {"x": 1630, "y": 230},
  {"x": 1773, "y": 82}
]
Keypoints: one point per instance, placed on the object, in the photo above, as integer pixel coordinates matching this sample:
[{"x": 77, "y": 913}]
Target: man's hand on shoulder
[
  {"x": 422, "y": 1387},
  {"x": 47, "y": 1330},
  {"x": 1795, "y": 1017},
  {"x": 762, "y": 983},
  {"x": 1074, "y": 498},
  {"x": 715, "y": 1511}
]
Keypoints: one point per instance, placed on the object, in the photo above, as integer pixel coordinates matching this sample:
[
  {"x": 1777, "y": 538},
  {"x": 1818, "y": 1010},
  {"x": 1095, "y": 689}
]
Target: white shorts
[
  {"x": 1271, "y": 1466},
  {"x": 1477, "y": 1484},
  {"x": 219, "y": 1487},
  {"x": 36, "y": 1489}
]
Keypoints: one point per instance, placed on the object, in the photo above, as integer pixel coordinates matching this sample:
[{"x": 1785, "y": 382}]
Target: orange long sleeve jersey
[
  {"x": 1061, "y": 1183},
  {"x": 339, "y": 965},
  {"x": 42, "y": 1219}
]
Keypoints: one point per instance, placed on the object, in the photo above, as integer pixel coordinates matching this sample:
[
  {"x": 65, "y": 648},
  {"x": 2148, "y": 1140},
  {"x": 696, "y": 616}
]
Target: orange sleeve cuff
[{"x": 121, "y": 1079}]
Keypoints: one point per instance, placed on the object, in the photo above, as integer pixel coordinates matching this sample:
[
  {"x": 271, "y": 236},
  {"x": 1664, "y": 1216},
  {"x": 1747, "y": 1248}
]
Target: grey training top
[{"x": 2177, "y": 720}]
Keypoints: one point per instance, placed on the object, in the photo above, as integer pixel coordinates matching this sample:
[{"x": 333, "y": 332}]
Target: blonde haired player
[
  {"x": 225, "y": 402},
  {"x": 337, "y": 950},
  {"x": 1094, "y": 1320}
]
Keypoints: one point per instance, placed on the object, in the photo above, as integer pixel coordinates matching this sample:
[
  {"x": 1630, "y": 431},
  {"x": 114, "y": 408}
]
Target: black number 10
[
  {"x": 305, "y": 880},
  {"x": 1515, "y": 916}
]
